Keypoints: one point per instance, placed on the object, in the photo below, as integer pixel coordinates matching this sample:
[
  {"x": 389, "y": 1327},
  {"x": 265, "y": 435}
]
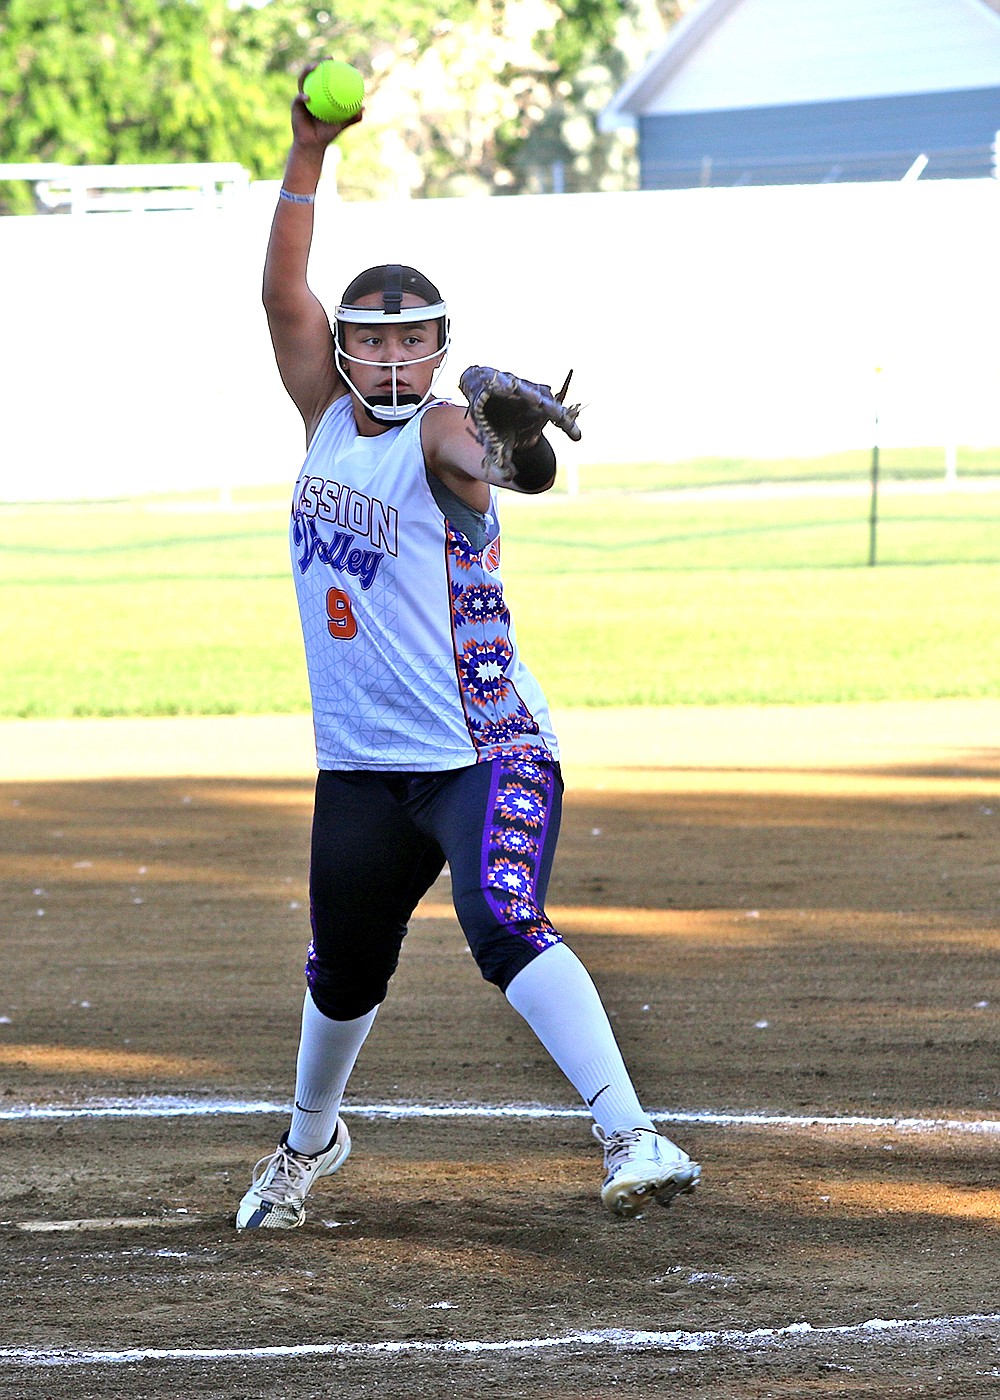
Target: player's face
[{"x": 406, "y": 347}]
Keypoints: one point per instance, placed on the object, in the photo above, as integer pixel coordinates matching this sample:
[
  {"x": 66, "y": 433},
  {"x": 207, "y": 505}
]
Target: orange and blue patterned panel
[
  {"x": 514, "y": 843},
  {"x": 499, "y": 722}
]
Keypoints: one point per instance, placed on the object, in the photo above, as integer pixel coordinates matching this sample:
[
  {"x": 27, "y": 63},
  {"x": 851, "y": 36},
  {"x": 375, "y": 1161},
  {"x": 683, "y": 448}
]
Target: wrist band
[{"x": 296, "y": 198}]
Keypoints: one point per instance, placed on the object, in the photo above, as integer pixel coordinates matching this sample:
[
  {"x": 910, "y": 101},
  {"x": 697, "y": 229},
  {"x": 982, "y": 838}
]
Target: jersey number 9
[{"x": 341, "y": 620}]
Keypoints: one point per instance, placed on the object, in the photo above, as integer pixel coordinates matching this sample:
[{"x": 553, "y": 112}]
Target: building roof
[{"x": 729, "y": 54}]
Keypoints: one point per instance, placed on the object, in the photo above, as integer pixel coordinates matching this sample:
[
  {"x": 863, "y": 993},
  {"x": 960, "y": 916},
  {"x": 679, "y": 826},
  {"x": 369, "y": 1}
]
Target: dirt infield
[{"x": 793, "y": 918}]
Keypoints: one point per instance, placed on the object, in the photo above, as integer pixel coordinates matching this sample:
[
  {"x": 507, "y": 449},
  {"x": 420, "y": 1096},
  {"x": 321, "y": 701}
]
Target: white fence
[
  {"x": 699, "y": 322},
  {"x": 102, "y": 189}
]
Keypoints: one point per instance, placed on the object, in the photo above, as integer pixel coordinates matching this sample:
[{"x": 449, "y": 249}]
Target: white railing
[{"x": 92, "y": 189}]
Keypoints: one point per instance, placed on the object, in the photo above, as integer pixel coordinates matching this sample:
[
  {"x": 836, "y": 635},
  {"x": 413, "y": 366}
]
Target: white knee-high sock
[
  {"x": 558, "y": 999},
  {"x": 327, "y": 1053}
]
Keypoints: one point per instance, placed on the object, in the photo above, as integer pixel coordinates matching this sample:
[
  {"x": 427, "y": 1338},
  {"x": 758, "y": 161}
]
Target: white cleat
[
  {"x": 281, "y": 1182},
  {"x": 643, "y": 1167}
]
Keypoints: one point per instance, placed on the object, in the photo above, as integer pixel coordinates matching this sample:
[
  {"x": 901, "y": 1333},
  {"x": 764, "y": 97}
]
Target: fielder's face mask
[{"x": 392, "y": 281}]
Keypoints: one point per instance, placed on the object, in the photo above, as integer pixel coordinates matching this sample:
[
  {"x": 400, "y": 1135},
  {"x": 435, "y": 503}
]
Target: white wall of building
[
  {"x": 135, "y": 354},
  {"x": 768, "y": 52}
]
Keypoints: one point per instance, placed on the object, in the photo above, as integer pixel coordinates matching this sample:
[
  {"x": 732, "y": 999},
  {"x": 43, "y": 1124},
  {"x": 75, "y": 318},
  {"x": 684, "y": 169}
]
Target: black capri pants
[{"x": 380, "y": 840}]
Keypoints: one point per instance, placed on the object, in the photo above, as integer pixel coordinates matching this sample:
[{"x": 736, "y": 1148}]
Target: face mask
[{"x": 393, "y": 407}]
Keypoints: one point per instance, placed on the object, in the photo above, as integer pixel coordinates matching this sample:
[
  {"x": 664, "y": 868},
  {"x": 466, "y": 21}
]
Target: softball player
[{"x": 433, "y": 740}]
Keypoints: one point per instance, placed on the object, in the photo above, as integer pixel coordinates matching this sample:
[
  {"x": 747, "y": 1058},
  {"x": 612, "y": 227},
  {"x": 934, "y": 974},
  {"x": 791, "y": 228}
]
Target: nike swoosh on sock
[{"x": 591, "y": 1102}]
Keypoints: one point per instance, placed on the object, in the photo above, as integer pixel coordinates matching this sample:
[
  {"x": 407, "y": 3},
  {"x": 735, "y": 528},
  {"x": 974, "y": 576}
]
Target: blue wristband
[{"x": 296, "y": 198}]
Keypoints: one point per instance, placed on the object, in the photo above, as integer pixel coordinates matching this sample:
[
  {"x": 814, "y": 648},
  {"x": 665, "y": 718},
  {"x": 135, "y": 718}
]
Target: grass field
[
  {"x": 173, "y": 607},
  {"x": 895, "y": 464}
]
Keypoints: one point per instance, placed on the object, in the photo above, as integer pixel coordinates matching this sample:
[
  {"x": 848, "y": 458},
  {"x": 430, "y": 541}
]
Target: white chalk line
[
  {"x": 102, "y": 1222},
  {"x": 151, "y": 1106},
  {"x": 618, "y": 1339},
  {"x": 799, "y": 1333}
]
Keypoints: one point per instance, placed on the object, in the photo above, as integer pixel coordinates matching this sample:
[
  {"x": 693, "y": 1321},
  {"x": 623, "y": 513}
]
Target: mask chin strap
[{"x": 390, "y": 313}]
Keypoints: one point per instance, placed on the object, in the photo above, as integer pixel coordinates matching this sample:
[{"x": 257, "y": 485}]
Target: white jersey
[{"x": 412, "y": 660}]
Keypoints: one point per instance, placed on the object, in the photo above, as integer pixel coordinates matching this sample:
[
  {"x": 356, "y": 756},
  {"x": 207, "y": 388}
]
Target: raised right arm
[{"x": 299, "y": 326}]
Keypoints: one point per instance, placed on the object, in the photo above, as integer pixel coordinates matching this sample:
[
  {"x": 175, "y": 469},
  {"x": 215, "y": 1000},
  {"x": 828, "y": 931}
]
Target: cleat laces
[
  {"x": 289, "y": 1176},
  {"x": 618, "y": 1146}
]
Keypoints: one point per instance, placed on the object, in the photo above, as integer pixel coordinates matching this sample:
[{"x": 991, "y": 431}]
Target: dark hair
[
  {"x": 378, "y": 279},
  {"x": 391, "y": 281}
]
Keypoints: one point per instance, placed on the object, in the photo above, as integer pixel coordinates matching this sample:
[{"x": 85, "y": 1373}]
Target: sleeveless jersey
[{"x": 411, "y": 654}]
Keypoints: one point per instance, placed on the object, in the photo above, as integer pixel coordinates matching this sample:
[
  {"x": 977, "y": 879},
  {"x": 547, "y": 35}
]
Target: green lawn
[
  {"x": 130, "y": 611},
  {"x": 121, "y": 609},
  {"x": 662, "y": 602},
  {"x": 895, "y": 463}
]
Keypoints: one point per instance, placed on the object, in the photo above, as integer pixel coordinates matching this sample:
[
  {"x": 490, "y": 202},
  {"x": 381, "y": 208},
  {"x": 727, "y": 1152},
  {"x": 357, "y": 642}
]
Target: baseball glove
[{"x": 509, "y": 413}]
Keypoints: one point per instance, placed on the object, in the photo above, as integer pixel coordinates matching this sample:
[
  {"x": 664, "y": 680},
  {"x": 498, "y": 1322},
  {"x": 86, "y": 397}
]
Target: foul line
[
  {"x": 151, "y": 1106},
  {"x": 619, "y": 1339}
]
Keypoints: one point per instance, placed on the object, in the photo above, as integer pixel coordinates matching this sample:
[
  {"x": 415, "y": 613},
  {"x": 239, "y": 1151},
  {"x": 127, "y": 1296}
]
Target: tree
[
  {"x": 590, "y": 53},
  {"x": 505, "y": 99},
  {"x": 491, "y": 96},
  {"x": 131, "y": 81},
  {"x": 120, "y": 81}
]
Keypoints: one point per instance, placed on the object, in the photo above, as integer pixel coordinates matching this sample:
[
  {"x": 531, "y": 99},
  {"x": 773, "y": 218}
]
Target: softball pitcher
[{"x": 434, "y": 742}]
